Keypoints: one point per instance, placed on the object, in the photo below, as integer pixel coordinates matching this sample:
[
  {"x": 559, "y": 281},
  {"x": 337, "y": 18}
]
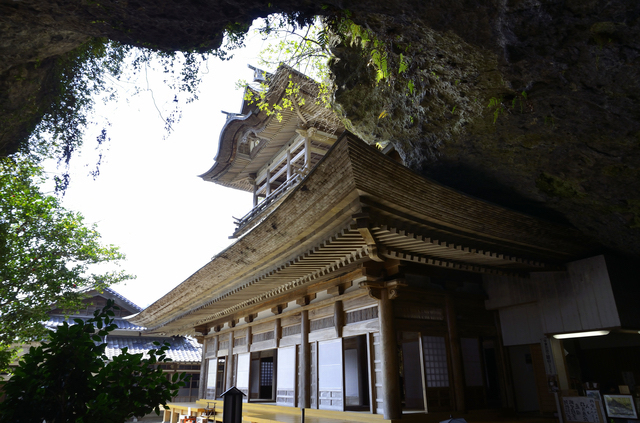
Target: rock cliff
[{"x": 530, "y": 104}]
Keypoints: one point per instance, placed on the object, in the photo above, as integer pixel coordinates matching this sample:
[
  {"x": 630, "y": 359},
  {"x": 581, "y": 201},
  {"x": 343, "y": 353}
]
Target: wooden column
[
  {"x": 248, "y": 339},
  {"x": 277, "y": 331},
  {"x": 456, "y": 355},
  {"x": 268, "y": 182},
  {"x": 338, "y": 318},
  {"x": 202, "y": 387},
  {"x": 559, "y": 359},
  {"x": 230, "y": 363},
  {"x": 507, "y": 390},
  {"x": 307, "y": 153},
  {"x": 305, "y": 361},
  {"x": 288, "y": 163},
  {"x": 255, "y": 192},
  {"x": 390, "y": 381}
]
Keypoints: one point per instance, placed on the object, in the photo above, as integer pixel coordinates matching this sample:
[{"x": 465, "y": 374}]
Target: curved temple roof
[
  {"x": 250, "y": 139},
  {"x": 356, "y": 205}
]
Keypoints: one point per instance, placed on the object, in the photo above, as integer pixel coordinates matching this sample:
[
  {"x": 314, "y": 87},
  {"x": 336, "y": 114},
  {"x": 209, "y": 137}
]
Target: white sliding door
[
  {"x": 330, "y": 376},
  {"x": 286, "y": 381},
  {"x": 242, "y": 377}
]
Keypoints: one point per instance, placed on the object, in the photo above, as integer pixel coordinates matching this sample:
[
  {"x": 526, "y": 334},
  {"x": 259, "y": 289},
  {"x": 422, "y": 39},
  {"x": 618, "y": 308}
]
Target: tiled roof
[
  {"x": 56, "y": 321},
  {"x": 183, "y": 350},
  {"x": 122, "y": 298}
]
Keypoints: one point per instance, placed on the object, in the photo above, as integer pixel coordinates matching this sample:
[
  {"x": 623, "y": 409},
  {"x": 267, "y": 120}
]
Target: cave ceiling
[{"x": 526, "y": 103}]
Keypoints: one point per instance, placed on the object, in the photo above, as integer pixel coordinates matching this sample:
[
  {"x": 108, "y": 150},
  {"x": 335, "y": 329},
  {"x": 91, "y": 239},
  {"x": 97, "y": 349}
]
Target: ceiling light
[{"x": 581, "y": 334}]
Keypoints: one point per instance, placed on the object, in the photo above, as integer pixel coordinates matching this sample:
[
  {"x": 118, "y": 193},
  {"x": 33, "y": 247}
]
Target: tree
[
  {"x": 70, "y": 379},
  {"x": 46, "y": 254}
]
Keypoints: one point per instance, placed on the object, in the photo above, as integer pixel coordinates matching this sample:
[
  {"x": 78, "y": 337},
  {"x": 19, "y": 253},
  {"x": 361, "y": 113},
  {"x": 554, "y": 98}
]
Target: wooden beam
[
  {"x": 339, "y": 289},
  {"x": 278, "y": 308},
  {"x": 320, "y": 137},
  {"x": 362, "y": 222},
  {"x": 305, "y": 300}
]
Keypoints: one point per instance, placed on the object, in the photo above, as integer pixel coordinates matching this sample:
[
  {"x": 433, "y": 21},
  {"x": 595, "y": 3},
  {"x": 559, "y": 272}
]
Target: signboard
[
  {"x": 547, "y": 356},
  {"x": 581, "y": 409}
]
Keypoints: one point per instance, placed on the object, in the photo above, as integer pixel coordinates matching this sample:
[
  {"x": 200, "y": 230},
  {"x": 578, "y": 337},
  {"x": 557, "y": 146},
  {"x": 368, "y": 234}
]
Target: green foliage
[
  {"x": 308, "y": 50},
  {"x": 495, "y": 103},
  {"x": 305, "y": 49},
  {"x": 521, "y": 99},
  {"x": 70, "y": 379},
  {"x": 46, "y": 254},
  {"x": 87, "y": 74}
]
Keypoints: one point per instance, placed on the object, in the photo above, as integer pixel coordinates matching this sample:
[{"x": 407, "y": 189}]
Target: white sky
[{"x": 148, "y": 199}]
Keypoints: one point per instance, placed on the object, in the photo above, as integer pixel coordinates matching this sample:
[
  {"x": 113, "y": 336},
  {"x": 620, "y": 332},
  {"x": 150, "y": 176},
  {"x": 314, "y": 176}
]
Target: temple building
[
  {"x": 184, "y": 352},
  {"x": 355, "y": 284}
]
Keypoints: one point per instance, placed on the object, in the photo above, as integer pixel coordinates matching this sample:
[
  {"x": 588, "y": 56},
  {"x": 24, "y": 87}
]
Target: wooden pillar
[
  {"x": 277, "y": 331},
  {"x": 390, "y": 381},
  {"x": 305, "y": 361},
  {"x": 255, "y": 192},
  {"x": 230, "y": 363},
  {"x": 507, "y": 390},
  {"x": 288, "y": 163},
  {"x": 373, "y": 403},
  {"x": 338, "y": 318},
  {"x": 307, "y": 153},
  {"x": 202, "y": 386},
  {"x": 456, "y": 356},
  {"x": 559, "y": 359},
  {"x": 268, "y": 182},
  {"x": 249, "y": 338}
]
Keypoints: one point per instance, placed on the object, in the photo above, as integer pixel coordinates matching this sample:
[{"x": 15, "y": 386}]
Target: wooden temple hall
[{"x": 355, "y": 284}]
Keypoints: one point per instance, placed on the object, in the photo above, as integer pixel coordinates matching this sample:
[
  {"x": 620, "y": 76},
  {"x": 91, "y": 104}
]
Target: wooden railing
[{"x": 275, "y": 195}]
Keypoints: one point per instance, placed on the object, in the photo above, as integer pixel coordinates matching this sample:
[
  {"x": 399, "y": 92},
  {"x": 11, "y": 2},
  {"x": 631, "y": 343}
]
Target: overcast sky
[{"x": 148, "y": 199}]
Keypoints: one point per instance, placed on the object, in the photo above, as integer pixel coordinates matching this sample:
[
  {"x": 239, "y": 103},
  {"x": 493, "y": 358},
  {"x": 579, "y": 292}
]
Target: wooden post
[
  {"x": 371, "y": 370},
  {"x": 506, "y": 387},
  {"x": 255, "y": 192},
  {"x": 338, "y": 318},
  {"x": 307, "y": 153},
  {"x": 268, "y": 182},
  {"x": 456, "y": 355},
  {"x": 423, "y": 374},
  {"x": 559, "y": 359},
  {"x": 230, "y": 362},
  {"x": 277, "y": 331},
  {"x": 305, "y": 361},
  {"x": 202, "y": 388},
  {"x": 390, "y": 382},
  {"x": 288, "y": 163}
]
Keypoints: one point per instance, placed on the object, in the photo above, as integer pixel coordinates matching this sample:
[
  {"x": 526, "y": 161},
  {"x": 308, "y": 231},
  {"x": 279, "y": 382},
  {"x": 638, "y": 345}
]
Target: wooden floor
[{"x": 268, "y": 413}]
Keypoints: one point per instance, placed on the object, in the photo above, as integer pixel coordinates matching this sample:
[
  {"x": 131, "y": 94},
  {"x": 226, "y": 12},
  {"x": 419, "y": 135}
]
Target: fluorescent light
[{"x": 581, "y": 334}]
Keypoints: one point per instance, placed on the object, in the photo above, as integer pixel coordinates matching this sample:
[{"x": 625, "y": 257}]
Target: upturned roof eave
[
  {"x": 227, "y": 144},
  {"x": 251, "y": 117}
]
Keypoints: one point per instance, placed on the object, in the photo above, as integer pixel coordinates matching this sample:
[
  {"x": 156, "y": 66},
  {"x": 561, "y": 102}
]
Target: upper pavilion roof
[{"x": 251, "y": 139}]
